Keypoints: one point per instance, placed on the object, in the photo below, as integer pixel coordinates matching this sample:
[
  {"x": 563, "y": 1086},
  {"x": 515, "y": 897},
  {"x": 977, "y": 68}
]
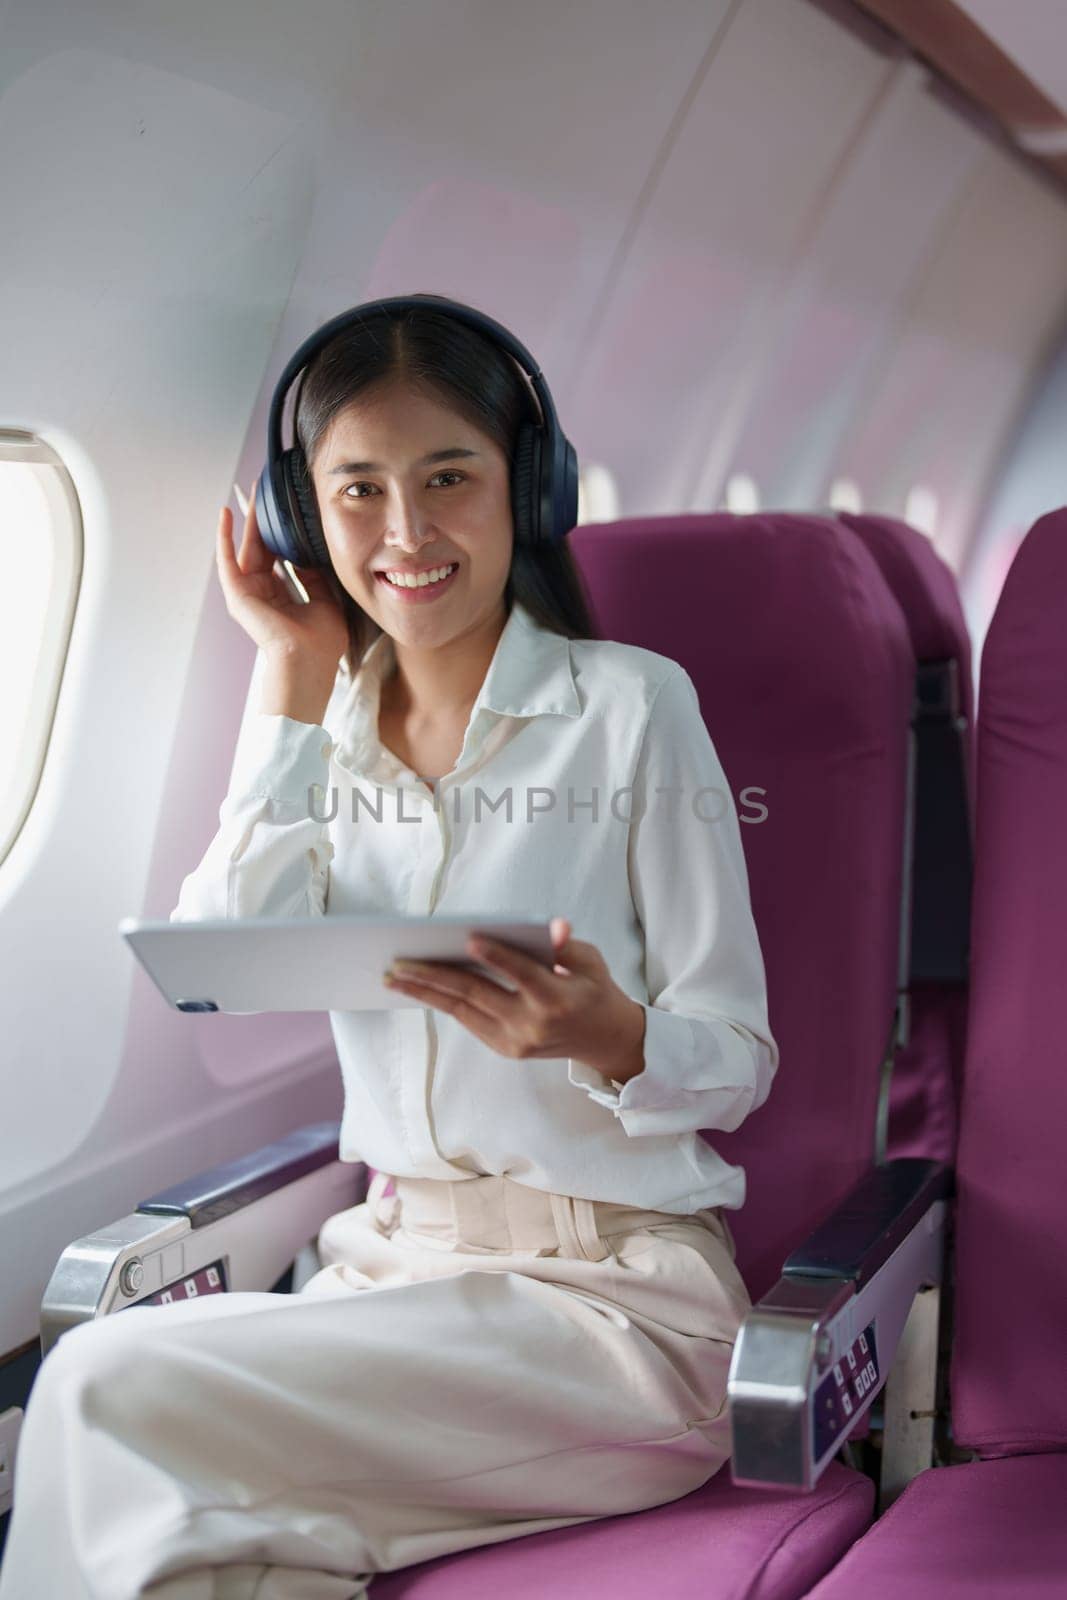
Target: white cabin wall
[
  {"x": 980, "y": 323},
  {"x": 1030, "y": 480},
  {"x": 152, "y": 229},
  {"x": 688, "y": 323},
  {"x": 844, "y": 304}
]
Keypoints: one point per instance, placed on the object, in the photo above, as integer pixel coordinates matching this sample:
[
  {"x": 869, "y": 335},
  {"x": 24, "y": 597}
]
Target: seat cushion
[
  {"x": 990, "y": 1528},
  {"x": 717, "y": 1543}
]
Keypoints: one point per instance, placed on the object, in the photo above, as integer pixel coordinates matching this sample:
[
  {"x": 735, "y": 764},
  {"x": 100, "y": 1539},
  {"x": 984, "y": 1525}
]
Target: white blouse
[{"x": 590, "y": 737}]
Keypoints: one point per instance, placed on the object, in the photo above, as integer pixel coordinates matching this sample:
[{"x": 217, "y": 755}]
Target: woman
[{"x": 534, "y": 1329}]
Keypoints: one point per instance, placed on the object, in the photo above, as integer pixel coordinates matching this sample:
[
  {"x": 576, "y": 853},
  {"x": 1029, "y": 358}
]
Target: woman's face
[{"x": 387, "y": 507}]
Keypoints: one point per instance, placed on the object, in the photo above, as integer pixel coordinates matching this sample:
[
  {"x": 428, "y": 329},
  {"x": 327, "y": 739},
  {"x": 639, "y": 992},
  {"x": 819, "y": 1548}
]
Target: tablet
[{"x": 328, "y": 963}]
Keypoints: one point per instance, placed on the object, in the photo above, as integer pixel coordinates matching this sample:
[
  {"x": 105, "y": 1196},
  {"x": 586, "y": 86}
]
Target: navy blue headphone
[{"x": 544, "y": 476}]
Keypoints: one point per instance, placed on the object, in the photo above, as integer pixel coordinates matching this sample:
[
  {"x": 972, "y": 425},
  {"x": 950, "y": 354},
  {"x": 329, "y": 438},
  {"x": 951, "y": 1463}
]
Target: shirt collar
[{"x": 530, "y": 675}]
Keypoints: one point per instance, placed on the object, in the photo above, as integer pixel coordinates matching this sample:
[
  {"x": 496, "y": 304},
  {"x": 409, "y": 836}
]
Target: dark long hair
[{"x": 463, "y": 369}]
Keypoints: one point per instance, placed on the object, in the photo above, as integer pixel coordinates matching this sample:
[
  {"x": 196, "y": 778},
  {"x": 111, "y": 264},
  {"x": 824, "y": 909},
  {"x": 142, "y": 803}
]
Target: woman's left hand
[{"x": 575, "y": 1010}]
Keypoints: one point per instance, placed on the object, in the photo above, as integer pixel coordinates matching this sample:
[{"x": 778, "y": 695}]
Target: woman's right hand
[{"x": 314, "y": 633}]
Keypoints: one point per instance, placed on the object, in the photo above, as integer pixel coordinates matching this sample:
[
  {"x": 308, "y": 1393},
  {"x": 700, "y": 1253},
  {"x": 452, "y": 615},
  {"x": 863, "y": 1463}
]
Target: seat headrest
[{"x": 926, "y": 589}]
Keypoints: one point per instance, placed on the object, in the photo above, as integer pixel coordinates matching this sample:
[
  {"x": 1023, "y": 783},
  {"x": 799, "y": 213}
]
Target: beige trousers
[{"x": 475, "y": 1361}]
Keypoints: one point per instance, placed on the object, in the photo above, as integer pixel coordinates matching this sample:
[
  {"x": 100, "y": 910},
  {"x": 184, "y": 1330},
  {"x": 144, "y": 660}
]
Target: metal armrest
[
  {"x": 812, "y": 1355},
  {"x": 236, "y": 1227}
]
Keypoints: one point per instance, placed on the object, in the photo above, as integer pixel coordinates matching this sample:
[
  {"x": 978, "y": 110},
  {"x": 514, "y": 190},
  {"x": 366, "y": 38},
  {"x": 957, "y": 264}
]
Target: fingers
[
  {"x": 233, "y": 565},
  {"x": 522, "y": 969},
  {"x": 254, "y": 557},
  {"x": 224, "y": 542},
  {"x": 242, "y": 554},
  {"x": 443, "y": 985}
]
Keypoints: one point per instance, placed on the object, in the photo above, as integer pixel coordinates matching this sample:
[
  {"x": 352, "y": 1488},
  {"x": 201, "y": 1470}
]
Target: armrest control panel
[
  {"x": 234, "y": 1228},
  {"x": 810, "y": 1358}
]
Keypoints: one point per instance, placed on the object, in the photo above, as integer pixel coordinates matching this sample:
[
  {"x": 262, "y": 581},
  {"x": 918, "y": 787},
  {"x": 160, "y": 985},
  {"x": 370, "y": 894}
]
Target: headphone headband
[{"x": 544, "y": 478}]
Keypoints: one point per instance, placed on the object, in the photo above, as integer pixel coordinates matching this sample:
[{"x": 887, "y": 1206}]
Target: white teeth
[{"x": 424, "y": 579}]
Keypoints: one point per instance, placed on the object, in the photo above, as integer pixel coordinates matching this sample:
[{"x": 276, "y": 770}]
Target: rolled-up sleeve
[
  {"x": 709, "y": 1055},
  {"x": 271, "y": 855}
]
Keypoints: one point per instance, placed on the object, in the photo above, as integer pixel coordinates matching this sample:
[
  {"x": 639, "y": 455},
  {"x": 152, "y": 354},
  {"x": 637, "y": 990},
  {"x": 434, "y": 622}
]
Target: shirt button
[
  {"x": 318, "y": 794},
  {"x": 327, "y": 749}
]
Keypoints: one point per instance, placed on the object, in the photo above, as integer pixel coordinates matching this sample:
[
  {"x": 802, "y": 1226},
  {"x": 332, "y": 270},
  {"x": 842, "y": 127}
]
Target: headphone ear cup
[
  {"x": 569, "y": 491},
  {"x": 558, "y": 488},
  {"x": 303, "y": 510},
  {"x": 526, "y": 485}
]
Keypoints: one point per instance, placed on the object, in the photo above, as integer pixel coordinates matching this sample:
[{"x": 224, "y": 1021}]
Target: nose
[{"x": 409, "y": 527}]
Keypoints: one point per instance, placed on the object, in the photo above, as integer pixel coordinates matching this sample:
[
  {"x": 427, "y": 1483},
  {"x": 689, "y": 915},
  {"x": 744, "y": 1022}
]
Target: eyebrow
[{"x": 427, "y": 461}]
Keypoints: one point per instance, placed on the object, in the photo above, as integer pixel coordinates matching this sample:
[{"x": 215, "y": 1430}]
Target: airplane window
[
  {"x": 845, "y": 496},
  {"x": 920, "y": 509},
  {"x": 742, "y": 493},
  {"x": 41, "y": 542},
  {"x": 598, "y": 494}
]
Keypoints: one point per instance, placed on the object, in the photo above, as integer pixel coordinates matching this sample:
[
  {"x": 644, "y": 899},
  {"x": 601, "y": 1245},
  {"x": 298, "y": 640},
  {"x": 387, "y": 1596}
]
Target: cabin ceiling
[
  {"x": 1008, "y": 60},
  {"x": 1033, "y": 34}
]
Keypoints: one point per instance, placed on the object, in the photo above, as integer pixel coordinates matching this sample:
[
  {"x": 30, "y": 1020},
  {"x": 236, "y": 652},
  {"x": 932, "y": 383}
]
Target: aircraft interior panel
[{"x": 405, "y": 404}]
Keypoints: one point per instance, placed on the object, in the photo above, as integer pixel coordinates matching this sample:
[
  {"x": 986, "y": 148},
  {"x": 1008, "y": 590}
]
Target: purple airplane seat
[
  {"x": 994, "y": 1526},
  {"x": 805, "y": 672}
]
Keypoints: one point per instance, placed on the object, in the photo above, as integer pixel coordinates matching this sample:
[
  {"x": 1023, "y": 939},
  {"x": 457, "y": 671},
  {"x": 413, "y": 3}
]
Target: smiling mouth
[{"x": 432, "y": 578}]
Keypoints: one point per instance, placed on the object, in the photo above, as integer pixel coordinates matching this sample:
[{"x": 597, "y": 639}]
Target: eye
[{"x": 446, "y": 472}]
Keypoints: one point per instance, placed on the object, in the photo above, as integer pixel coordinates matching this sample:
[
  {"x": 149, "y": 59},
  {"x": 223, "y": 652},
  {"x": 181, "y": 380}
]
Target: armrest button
[{"x": 132, "y": 1276}]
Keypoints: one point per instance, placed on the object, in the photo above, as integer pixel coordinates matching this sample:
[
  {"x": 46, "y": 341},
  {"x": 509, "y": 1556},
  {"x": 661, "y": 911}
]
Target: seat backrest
[
  {"x": 1007, "y": 1370},
  {"x": 928, "y": 1068},
  {"x": 804, "y": 669}
]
